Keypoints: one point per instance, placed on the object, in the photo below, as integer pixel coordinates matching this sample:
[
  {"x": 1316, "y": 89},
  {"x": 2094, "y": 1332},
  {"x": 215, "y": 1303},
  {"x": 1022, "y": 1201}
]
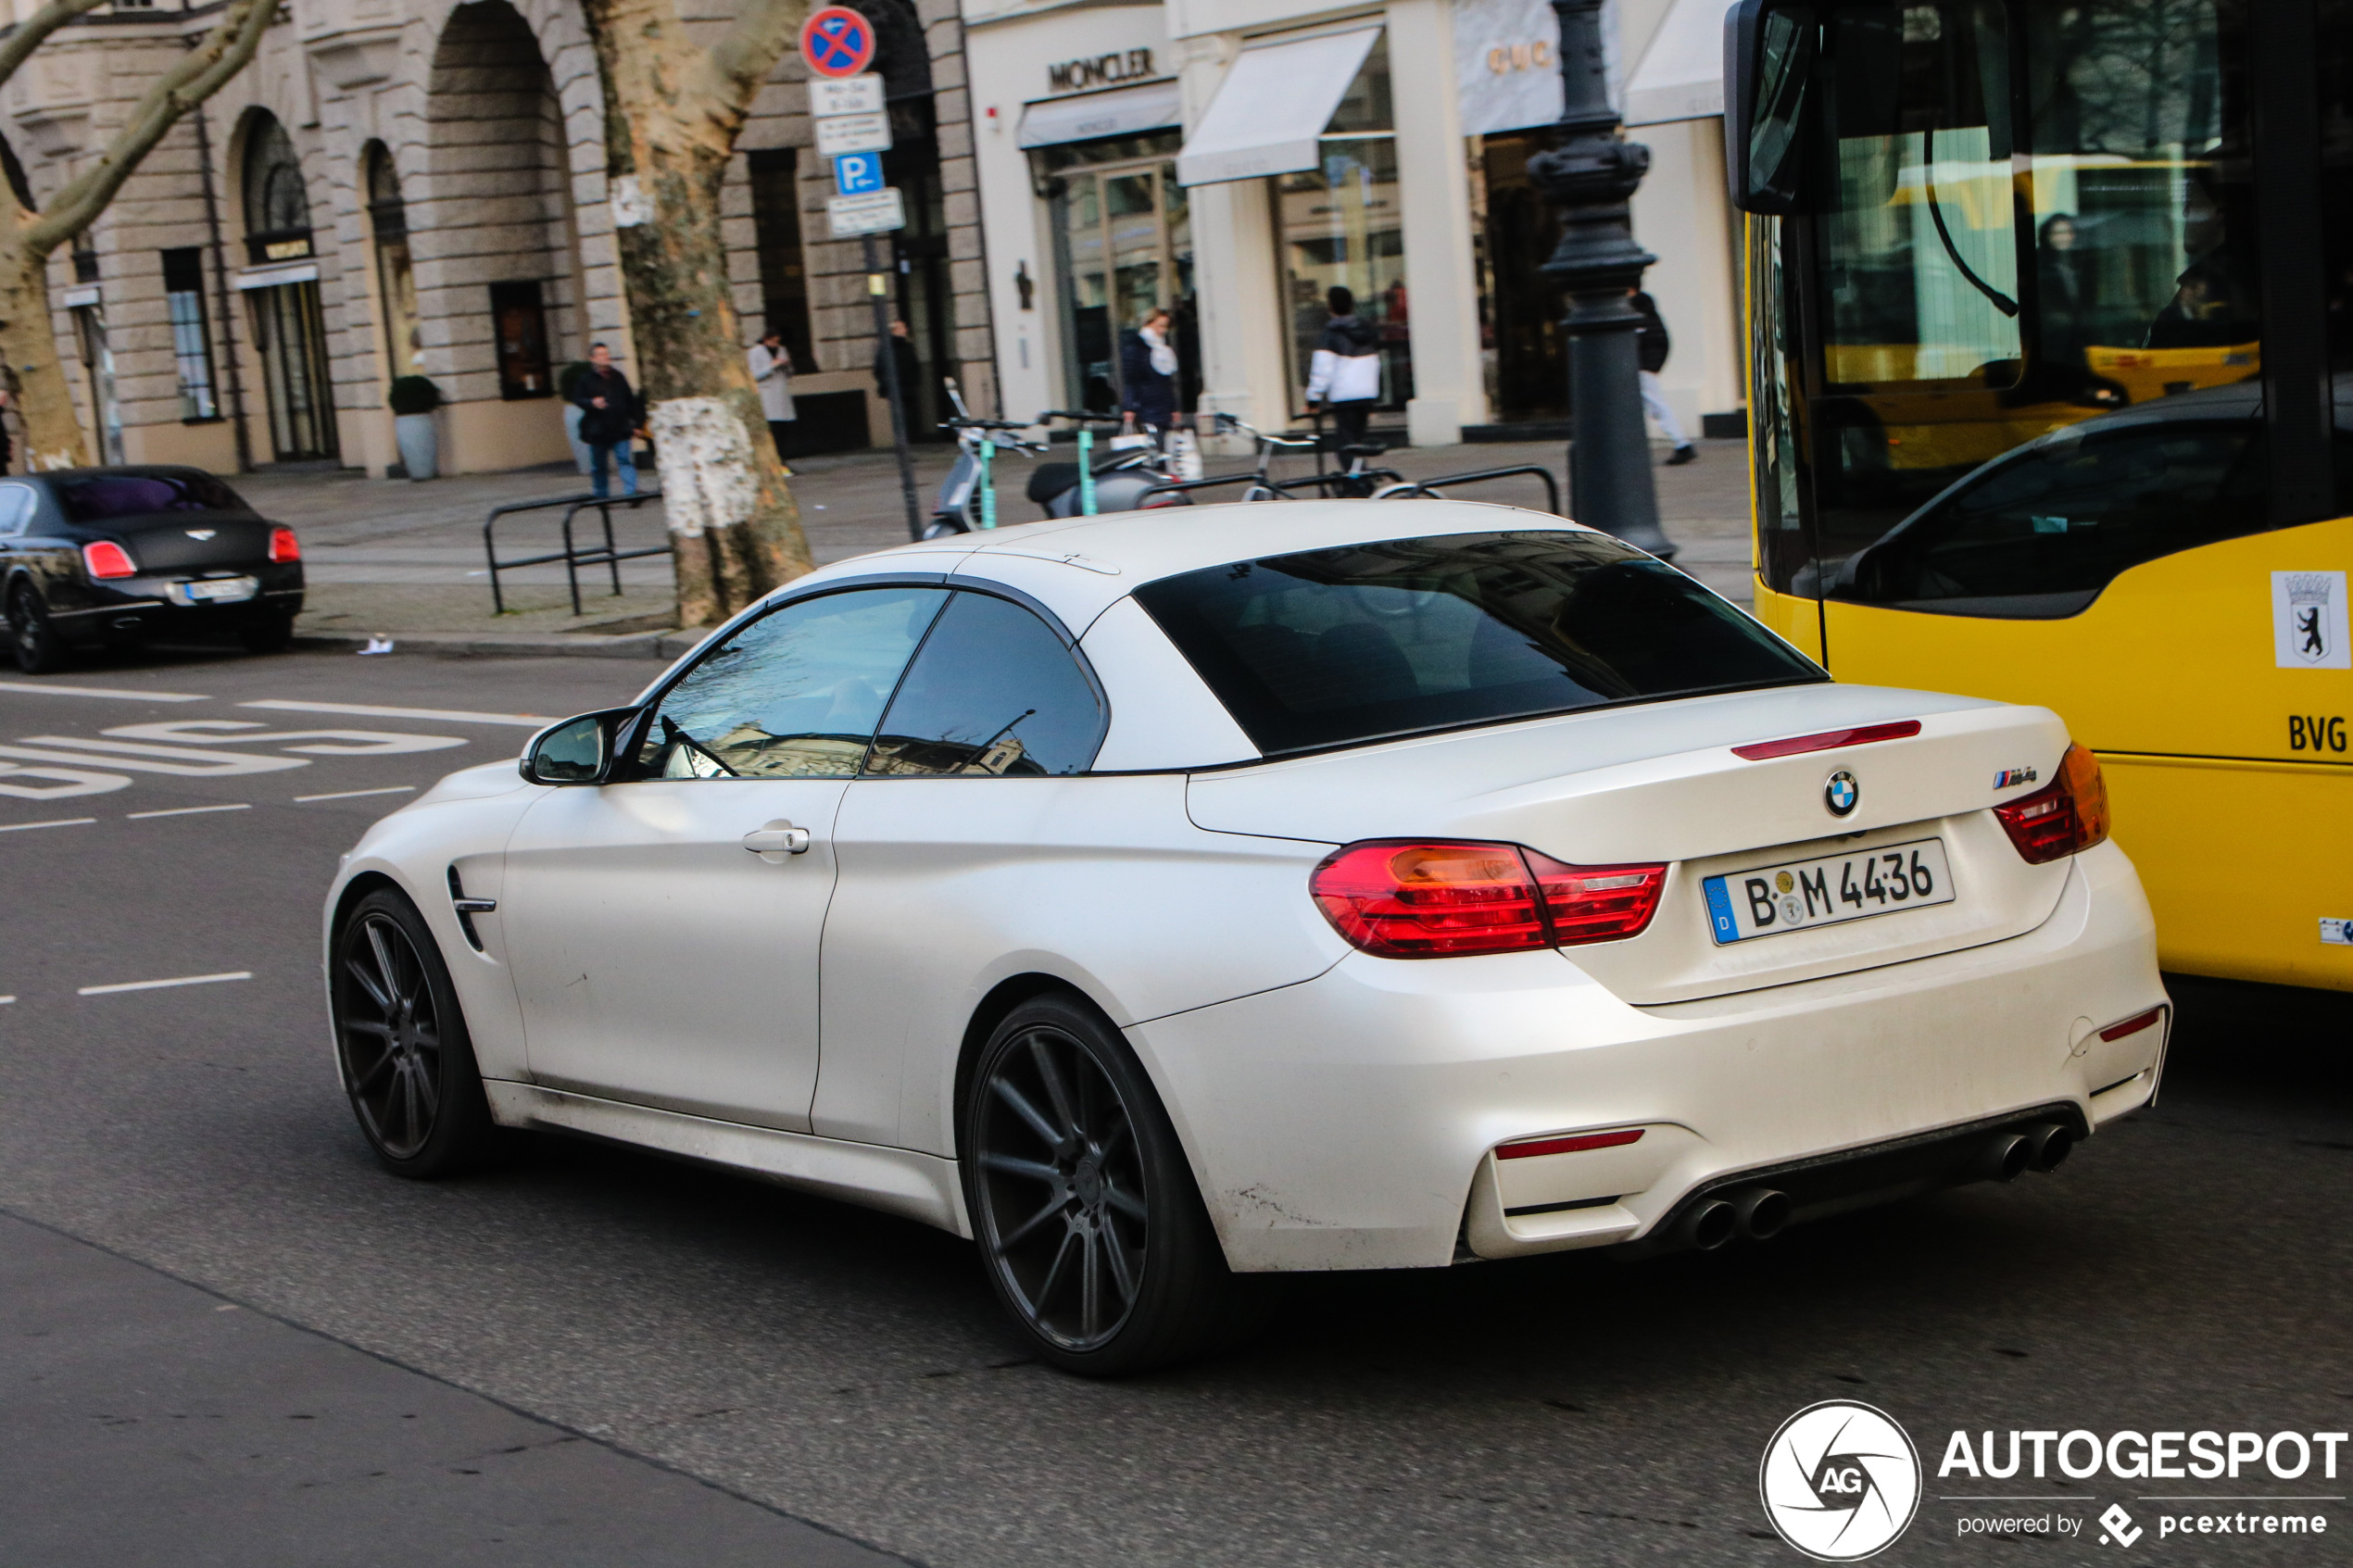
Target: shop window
[
  {"x": 784, "y": 275},
  {"x": 520, "y": 320},
  {"x": 1123, "y": 239},
  {"x": 1516, "y": 229},
  {"x": 277, "y": 205},
  {"x": 1341, "y": 225},
  {"x": 190, "y": 337},
  {"x": 388, "y": 217}
]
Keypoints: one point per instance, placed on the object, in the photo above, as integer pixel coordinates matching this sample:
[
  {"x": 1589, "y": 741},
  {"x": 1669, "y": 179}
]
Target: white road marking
[
  {"x": 189, "y": 810},
  {"x": 119, "y": 692},
  {"x": 6, "y": 1000},
  {"x": 522, "y": 720},
  {"x": 161, "y": 984},
  {"x": 132, "y": 757},
  {"x": 60, "y": 823},
  {"x": 355, "y": 794}
]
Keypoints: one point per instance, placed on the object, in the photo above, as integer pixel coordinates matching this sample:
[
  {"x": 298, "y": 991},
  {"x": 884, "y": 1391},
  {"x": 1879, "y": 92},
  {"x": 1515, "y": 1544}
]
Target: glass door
[
  {"x": 1124, "y": 243},
  {"x": 292, "y": 340}
]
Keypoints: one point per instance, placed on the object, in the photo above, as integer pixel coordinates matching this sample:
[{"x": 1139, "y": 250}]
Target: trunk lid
[
  {"x": 167, "y": 542},
  {"x": 1660, "y": 782}
]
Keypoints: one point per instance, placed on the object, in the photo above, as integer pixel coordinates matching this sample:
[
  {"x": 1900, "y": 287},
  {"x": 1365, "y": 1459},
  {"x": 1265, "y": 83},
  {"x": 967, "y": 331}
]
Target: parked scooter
[{"x": 1122, "y": 482}]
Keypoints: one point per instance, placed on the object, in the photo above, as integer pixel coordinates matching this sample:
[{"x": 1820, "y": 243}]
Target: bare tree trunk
[
  {"x": 673, "y": 111},
  {"x": 54, "y": 437}
]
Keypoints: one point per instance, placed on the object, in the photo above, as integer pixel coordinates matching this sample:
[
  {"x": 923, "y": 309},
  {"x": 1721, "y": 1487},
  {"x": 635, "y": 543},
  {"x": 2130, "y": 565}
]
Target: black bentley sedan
[{"x": 95, "y": 556}]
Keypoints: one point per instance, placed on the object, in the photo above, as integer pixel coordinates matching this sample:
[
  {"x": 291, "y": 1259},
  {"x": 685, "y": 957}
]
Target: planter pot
[
  {"x": 581, "y": 459},
  {"x": 420, "y": 445}
]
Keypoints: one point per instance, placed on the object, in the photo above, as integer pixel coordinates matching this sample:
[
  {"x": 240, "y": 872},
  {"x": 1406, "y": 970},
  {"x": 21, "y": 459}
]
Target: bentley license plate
[{"x": 1800, "y": 895}]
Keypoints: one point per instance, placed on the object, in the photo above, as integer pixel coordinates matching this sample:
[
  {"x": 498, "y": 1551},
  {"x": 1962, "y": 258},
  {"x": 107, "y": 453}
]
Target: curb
[{"x": 517, "y": 644}]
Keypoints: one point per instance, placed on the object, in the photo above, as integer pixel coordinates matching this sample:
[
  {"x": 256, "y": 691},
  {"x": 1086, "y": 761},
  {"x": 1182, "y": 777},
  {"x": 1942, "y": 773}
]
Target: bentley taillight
[{"x": 107, "y": 559}]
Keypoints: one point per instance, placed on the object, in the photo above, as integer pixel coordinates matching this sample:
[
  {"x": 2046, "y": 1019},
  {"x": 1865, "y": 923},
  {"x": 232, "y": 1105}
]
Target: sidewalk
[{"x": 389, "y": 557}]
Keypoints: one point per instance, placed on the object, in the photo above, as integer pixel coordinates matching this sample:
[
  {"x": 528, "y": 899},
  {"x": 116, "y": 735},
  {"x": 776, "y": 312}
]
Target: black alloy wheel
[
  {"x": 33, "y": 636},
  {"x": 407, "y": 1062},
  {"x": 1082, "y": 1202}
]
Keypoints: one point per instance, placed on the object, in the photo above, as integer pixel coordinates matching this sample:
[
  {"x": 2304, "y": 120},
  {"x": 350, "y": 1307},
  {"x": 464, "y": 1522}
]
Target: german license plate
[
  {"x": 1800, "y": 895},
  {"x": 216, "y": 590}
]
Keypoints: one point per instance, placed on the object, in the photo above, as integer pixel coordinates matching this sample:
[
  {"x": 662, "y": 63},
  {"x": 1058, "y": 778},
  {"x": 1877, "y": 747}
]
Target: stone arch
[{"x": 489, "y": 223}]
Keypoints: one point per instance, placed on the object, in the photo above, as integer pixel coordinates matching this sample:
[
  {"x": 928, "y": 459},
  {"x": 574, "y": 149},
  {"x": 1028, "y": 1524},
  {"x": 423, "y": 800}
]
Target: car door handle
[{"x": 777, "y": 840}]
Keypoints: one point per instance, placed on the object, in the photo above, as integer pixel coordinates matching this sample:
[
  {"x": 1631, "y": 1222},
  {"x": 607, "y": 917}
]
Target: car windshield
[
  {"x": 1329, "y": 647},
  {"x": 102, "y": 497}
]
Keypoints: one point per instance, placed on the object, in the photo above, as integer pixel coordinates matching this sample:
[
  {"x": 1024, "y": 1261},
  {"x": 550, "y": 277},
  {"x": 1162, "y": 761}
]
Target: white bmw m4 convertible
[{"x": 1164, "y": 899}]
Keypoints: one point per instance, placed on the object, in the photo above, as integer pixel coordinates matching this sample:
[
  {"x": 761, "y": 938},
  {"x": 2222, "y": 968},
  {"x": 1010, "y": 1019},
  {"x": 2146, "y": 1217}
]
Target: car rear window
[
  {"x": 1329, "y": 647},
  {"x": 102, "y": 497}
]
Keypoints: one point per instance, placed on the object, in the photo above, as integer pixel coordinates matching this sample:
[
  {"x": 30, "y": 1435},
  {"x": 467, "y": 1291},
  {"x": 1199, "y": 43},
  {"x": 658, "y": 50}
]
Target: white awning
[
  {"x": 1115, "y": 111},
  {"x": 1272, "y": 105},
  {"x": 1681, "y": 76}
]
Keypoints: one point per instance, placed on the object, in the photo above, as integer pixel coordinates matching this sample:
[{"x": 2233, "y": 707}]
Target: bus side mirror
[
  {"x": 1769, "y": 54},
  {"x": 578, "y": 751}
]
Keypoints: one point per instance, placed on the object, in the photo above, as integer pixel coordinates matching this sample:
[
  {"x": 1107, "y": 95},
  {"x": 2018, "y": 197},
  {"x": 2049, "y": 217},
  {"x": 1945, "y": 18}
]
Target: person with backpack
[
  {"x": 1344, "y": 376},
  {"x": 1650, "y": 349}
]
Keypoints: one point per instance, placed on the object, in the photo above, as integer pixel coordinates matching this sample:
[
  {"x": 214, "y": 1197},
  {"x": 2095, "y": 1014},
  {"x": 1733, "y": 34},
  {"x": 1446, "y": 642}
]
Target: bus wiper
[{"x": 2002, "y": 302}]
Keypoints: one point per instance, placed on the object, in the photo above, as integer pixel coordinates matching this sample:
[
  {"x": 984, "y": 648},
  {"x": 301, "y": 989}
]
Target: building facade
[
  {"x": 1231, "y": 160},
  {"x": 401, "y": 187}
]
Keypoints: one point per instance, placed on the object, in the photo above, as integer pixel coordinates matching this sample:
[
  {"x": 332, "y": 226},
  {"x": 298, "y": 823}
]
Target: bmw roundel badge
[{"x": 1842, "y": 793}]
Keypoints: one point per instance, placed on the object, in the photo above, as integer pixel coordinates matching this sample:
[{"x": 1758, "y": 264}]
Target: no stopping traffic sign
[{"x": 836, "y": 41}]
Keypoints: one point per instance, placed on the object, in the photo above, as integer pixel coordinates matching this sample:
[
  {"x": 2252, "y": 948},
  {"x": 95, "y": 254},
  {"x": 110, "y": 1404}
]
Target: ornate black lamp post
[{"x": 1591, "y": 173}]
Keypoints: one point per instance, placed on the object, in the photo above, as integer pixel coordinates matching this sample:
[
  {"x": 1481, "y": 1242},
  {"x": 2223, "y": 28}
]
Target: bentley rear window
[
  {"x": 103, "y": 497},
  {"x": 1331, "y": 647}
]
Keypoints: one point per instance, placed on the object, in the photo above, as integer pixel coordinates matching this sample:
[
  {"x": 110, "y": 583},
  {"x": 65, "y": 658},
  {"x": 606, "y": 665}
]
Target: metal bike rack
[
  {"x": 1551, "y": 485},
  {"x": 574, "y": 557}
]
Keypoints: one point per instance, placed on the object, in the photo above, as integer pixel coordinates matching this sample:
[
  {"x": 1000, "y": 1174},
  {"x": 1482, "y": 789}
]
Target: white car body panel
[
  {"x": 1099, "y": 881},
  {"x": 716, "y": 1015},
  {"x": 1339, "y": 1109}
]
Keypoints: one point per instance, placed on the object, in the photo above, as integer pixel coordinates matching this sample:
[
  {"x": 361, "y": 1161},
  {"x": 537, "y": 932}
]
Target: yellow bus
[{"x": 2050, "y": 345}]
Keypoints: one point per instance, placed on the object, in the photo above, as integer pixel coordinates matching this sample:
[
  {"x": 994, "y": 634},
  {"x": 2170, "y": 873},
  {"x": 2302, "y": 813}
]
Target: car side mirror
[
  {"x": 577, "y": 751},
  {"x": 1769, "y": 54}
]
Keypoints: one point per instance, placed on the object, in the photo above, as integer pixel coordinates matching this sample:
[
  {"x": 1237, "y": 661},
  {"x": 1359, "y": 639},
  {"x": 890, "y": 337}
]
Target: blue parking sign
[{"x": 857, "y": 173}]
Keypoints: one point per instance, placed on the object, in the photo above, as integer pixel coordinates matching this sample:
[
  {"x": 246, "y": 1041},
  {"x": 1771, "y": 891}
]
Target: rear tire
[
  {"x": 1083, "y": 1204},
  {"x": 407, "y": 1062},
  {"x": 270, "y": 631},
  {"x": 33, "y": 636}
]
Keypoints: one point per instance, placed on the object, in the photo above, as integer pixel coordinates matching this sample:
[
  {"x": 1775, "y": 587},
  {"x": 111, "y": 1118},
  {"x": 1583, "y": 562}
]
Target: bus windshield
[{"x": 2025, "y": 315}]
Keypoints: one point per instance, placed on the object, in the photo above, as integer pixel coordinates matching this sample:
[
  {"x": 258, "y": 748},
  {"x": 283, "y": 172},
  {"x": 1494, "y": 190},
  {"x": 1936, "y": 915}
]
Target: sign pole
[{"x": 887, "y": 360}]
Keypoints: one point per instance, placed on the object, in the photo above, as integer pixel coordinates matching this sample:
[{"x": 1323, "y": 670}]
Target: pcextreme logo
[{"x": 1840, "y": 1481}]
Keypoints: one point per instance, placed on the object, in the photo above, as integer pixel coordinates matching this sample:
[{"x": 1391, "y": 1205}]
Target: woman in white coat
[{"x": 771, "y": 364}]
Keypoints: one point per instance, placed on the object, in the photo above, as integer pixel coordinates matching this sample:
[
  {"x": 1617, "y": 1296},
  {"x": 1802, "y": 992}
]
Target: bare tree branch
[
  {"x": 219, "y": 55},
  {"x": 737, "y": 64},
  {"x": 34, "y": 31}
]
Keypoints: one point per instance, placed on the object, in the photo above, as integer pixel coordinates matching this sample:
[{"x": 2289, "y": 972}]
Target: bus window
[
  {"x": 2336, "y": 219},
  {"x": 2032, "y": 216},
  {"x": 2038, "y": 534}
]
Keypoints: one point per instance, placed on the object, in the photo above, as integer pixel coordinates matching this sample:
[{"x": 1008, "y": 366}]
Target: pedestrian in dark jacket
[
  {"x": 1650, "y": 344},
  {"x": 1344, "y": 376},
  {"x": 903, "y": 354},
  {"x": 609, "y": 421},
  {"x": 1148, "y": 374}
]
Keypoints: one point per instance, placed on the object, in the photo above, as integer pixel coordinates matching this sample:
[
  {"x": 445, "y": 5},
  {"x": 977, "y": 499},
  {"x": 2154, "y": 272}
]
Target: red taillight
[
  {"x": 283, "y": 545},
  {"x": 1528, "y": 1149},
  {"x": 2133, "y": 1025},
  {"x": 1408, "y": 900},
  {"x": 2066, "y": 819},
  {"x": 1828, "y": 740},
  {"x": 106, "y": 558}
]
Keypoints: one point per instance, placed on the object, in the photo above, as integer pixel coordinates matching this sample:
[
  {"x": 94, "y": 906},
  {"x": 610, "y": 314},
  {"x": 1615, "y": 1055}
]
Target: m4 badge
[{"x": 2010, "y": 778}]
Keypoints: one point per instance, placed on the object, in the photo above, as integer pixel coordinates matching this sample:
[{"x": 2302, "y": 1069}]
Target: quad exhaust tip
[
  {"x": 2009, "y": 1154},
  {"x": 1748, "y": 1213}
]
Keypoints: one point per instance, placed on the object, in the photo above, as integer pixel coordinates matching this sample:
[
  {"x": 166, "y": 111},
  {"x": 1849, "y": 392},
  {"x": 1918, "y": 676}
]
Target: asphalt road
[{"x": 612, "y": 1328}]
